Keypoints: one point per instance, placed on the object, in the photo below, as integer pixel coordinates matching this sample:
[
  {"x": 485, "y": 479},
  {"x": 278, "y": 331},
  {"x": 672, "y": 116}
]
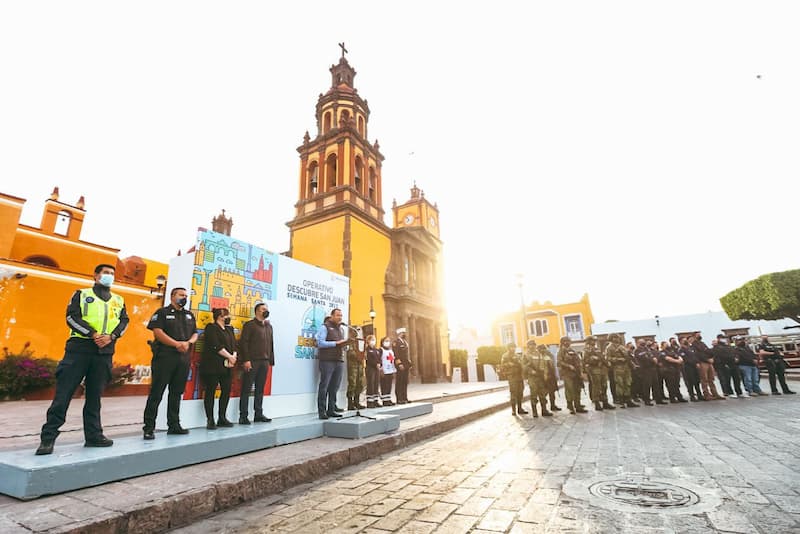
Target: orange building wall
[
  {"x": 34, "y": 310},
  {"x": 73, "y": 256}
]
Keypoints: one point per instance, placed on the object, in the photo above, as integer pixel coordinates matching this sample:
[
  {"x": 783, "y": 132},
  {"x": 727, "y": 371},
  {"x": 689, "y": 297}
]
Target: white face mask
[
  {"x": 106, "y": 279},
  {"x": 387, "y": 345}
]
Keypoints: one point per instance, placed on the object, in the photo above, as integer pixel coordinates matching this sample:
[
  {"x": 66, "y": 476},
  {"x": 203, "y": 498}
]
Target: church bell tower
[{"x": 339, "y": 217}]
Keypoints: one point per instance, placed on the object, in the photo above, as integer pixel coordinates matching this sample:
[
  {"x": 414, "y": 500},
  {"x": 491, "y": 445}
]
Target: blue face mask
[{"x": 106, "y": 279}]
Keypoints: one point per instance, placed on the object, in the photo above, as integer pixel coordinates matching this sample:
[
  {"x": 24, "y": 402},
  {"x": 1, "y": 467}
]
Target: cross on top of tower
[{"x": 344, "y": 50}]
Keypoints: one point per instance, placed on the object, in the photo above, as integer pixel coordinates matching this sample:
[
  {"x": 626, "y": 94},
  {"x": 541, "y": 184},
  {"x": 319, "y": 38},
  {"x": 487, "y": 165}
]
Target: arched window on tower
[
  {"x": 371, "y": 192},
  {"x": 326, "y": 122},
  {"x": 313, "y": 178},
  {"x": 359, "y": 172},
  {"x": 330, "y": 170},
  {"x": 361, "y": 126},
  {"x": 344, "y": 117},
  {"x": 62, "y": 222}
]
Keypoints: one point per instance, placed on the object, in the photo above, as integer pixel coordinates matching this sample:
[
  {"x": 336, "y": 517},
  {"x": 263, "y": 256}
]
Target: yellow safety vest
[{"x": 101, "y": 315}]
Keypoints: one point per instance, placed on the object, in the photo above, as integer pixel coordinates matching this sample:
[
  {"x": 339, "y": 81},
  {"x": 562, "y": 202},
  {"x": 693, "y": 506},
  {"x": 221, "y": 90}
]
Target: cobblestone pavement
[{"x": 519, "y": 475}]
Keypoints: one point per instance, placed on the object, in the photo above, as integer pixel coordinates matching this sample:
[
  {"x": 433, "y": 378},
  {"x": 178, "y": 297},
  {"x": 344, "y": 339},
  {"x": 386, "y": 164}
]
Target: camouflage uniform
[
  {"x": 355, "y": 378},
  {"x": 597, "y": 366},
  {"x": 512, "y": 369},
  {"x": 569, "y": 367},
  {"x": 617, "y": 356},
  {"x": 551, "y": 381},
  {"x": 535, "y": 368}
]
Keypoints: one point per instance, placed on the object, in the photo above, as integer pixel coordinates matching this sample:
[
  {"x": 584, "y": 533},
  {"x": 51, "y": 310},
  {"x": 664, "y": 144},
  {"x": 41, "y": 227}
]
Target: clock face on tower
[{"x": 408, "y": 219}]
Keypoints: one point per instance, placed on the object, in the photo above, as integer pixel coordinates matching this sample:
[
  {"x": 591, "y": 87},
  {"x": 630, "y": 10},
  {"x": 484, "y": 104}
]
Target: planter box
[{"x": 127, "y": 390}]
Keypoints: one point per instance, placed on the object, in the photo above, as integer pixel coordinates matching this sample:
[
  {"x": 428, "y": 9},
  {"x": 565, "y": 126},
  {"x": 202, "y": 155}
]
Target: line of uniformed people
[{"x": 640, "y": 372}]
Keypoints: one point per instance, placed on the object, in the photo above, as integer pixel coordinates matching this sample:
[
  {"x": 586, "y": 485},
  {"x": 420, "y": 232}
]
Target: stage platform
[{"x": 72, "y": 466}]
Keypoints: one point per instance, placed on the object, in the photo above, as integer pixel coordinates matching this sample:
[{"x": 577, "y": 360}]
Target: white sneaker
[
  {"x": 744, "y": 395},
  {"x": 733, "y": 396}
]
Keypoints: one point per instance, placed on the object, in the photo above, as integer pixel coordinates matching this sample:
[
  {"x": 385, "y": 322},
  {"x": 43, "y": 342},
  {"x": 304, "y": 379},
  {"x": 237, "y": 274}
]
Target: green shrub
[
  {"x": 21, "y": 372},
  {"x": 458, "y": 357}
]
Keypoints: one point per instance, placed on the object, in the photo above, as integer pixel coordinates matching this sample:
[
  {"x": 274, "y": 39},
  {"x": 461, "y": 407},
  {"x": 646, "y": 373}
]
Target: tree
[
  {"x": 770, "y": 297},
  {"x": 458, "y": 357},
  {"x": 491, "y": 355}
]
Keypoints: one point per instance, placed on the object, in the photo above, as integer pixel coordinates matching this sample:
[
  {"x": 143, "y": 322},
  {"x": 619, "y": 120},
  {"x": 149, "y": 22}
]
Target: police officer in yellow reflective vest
[{"x": 96, "y": 318}]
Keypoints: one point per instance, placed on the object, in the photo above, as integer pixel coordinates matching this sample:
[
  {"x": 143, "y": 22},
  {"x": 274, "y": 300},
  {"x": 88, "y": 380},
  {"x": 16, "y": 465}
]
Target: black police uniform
[
  {"x": 83, "y": 360},
  {"x": 168, "y": 367},
  {"x": 775, "y": 365}
]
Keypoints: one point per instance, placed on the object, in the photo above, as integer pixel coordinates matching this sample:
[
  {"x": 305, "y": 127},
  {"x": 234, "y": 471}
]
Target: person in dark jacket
[
  {"x": 374, "y": 370},
  {"x": 257, "y": 353},
  {"x": 775, "y": 364},
  {"x": 748, "y": 365},
  {"x": 725, "y": 361},
  {"x": 96, "y": 318},
  {"x": 690, "y": 372},
  {"x": 403, "y": 364},
  {"x": 648, "y": 374},
  {"x": 331, "y": 344},
  {"x": 671, "y": 365},
  {"x": 216, "y": 361}
]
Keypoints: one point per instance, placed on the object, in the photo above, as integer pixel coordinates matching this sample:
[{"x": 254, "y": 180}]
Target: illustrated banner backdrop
[{"x": 229, "y": 273}]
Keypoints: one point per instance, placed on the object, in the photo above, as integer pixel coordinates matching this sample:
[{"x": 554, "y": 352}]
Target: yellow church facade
[{"x": 546, "y": 323}]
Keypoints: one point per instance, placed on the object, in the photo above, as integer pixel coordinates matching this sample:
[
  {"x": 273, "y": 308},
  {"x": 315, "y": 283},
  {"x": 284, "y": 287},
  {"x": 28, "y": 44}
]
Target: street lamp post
[
  {"x": 520, "y": 278},
  {"x": 372, "y": 315}
]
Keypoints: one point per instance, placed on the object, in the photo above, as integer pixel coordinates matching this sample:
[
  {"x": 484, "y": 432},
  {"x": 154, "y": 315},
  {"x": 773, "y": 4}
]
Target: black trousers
[
  {"x": 401, "y": 386},
  {"x": 727, "y": 373},
  {"x": 649, "y": 381},
  {"x": 673, "y": 379},
  {"x": 776, "y": 371},
  {"x": 256, "y": 375},
  {"x": 74, "y": 367},
  {"x": 692, "y": 379},
  {"x": 386, "y": 387},
  {"x": 373, "y": 383},
  {"x": 210, "y": 382},
  {"x": 168, "y": 369}
]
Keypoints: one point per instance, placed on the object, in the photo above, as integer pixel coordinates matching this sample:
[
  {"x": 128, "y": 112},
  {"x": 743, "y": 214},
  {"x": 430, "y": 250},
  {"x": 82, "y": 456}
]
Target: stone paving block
[
  {"x": 476, "y": 506},
  {"x": 421, "y": 501},
  {"x": 409, "y": 492},
  {"x": 536, "y": 512},
  {"x": 457, "y": 524},
  {"x": 786, "y": 503},
  {"x": 374, "y": 497},
  {"x": 333, "y": 502},
  {"x": 729, "y": 521},
  {"x": 383, "y": 507},
  {"x": 419, "y": 527},
  {"x": 363, "y": 489},
  {"x": 436, "y": 512},
  {"x": 297, "y": 521},
  {"x": 457, "y": 496},
  {"x": 750, "y": 495},
  {"x": 527, "y": 528},
  {"x": 497, "y": 520},
  {"x": 395, "y": 519}
]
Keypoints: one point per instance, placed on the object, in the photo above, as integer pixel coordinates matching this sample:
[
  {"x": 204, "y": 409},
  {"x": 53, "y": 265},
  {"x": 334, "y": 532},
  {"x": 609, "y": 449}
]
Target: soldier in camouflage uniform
[
  {"x": 355, "y": 374},
  {"x": 597, "y": 365},
  {"x": 552, "y": 381},
  {"x": 535, "y": 368},
  {"x": 569, "y": 367},
  {"x": 511, "y": 366},
  {"x": 617, "y": 356}
]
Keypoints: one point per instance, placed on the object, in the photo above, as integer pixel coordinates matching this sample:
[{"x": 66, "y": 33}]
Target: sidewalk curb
[{"x": 185, "y": 508}]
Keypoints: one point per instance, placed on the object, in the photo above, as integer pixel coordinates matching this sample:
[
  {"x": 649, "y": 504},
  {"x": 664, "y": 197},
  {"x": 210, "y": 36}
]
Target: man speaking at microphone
[{"x": 331, "y": 343}]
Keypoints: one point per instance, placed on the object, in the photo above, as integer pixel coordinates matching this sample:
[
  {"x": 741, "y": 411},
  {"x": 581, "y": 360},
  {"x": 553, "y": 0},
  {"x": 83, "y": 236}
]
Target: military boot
[
  {"x": 533, "y": 409},
  {"x": 520, "y": 409},
  {"x": 553, "y": 403},
  {"x": 597, "y": 406},
  {"x": 570, "y": 407},
  {"x": 608, "y": 406},
  {"x": 630, "y": 404},
  {"x": 581, "y": 408},
  {"x": 350, "y": 404}
]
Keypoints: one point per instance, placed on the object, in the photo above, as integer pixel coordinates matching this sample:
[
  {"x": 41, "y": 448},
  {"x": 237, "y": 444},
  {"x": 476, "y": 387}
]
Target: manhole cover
[
  {"x": 647, "y": 493},
  {"x": 638, "y": 493}
]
